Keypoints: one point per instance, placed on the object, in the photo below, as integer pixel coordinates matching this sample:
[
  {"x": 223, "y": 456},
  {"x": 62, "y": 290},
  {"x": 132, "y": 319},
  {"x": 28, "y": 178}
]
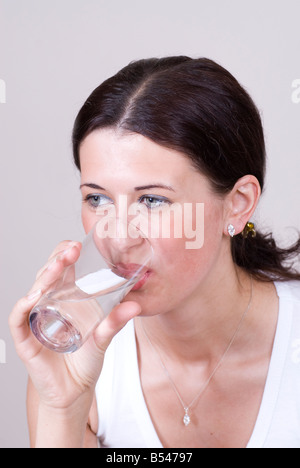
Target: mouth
[
  {"x": 129, "y": 271},
  {"x": 142, "y": 281}
]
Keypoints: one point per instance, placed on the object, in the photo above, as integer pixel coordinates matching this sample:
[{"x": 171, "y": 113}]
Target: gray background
[{"x": 53, "y": 54}]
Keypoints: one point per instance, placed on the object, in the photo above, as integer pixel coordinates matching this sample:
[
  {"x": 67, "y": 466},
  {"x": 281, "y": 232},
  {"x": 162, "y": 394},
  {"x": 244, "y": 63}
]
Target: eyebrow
[
  {"x": 137, "y": 189},
  {"x": 93, "y": 186},
  {"x": 147, "y": 187}
]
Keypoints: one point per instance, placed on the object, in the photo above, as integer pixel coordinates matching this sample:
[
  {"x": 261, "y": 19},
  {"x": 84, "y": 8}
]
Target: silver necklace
[{"x": 187, "y": 418}]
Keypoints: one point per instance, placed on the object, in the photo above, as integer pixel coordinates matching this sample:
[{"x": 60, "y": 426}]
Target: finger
[
  {"x": 62, "y": 249},
  {"x": 18, "y": 319},
  {"x": 116, "y": 320},
  {"x": 55, "y": 267}
]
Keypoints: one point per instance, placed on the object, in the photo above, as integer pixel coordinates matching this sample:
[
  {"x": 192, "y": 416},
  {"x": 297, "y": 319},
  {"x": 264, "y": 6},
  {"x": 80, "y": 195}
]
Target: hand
[{"x": 61, "y": 380}]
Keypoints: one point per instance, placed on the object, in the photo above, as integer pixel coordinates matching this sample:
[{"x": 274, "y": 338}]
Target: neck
[{"x": 202, "y": 327}]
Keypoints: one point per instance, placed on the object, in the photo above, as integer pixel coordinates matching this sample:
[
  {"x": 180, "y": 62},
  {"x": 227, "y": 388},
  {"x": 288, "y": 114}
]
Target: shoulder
[
  {"x": 289, "y": 290},
  {"x": 289, "y": 321},
  {"x": 289, "y": 303}
]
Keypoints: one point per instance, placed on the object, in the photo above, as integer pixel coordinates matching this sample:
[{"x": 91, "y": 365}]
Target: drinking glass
[{"x": 115, "y": 256}]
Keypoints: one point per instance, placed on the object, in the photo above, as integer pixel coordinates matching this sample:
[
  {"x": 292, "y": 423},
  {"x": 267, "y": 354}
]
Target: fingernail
[
  {"x": 69, "y": 248},
  {"x": 34, "y": 295},
  {"x": 50, "y": 266}
]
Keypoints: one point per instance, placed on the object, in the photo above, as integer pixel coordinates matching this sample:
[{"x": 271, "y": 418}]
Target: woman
[{"x": 204, "y": 353}]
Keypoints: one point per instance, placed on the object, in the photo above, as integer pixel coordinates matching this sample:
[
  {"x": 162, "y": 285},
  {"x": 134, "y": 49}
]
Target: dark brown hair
[{"x": 196, "y": 107}]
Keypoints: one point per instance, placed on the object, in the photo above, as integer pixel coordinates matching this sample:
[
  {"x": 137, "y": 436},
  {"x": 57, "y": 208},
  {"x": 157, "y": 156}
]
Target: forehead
[
  {"x": 122, "y": 160},
  {"x": 108, "y": 148}
]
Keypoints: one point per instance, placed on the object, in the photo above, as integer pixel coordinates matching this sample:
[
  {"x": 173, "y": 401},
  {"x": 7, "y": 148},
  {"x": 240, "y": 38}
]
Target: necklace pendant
[{"x": 186, "y": 418}]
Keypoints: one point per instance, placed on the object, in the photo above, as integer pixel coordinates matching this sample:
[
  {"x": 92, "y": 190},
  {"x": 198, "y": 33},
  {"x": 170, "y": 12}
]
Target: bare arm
[
  {"x": 87, "y": 439},
  {"x": 62, "y": 387}
]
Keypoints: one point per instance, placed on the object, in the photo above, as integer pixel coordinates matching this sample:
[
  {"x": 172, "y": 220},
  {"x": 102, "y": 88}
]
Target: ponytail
[{"x": 264, "y": 259}]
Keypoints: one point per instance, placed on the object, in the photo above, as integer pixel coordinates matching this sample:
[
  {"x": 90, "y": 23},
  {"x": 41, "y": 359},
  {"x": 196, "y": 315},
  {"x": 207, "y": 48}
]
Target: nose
[
  {"x": 123, "y": 245},
  {"x": 121, "y": 241},
  {"x": 121, "y": 233}
]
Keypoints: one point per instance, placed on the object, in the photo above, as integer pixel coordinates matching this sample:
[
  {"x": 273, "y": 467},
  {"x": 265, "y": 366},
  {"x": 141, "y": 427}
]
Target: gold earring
[{"x": 249, "y": 229}]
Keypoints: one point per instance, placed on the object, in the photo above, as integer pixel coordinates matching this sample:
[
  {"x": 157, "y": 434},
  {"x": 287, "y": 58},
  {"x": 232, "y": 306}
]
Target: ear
[{"x": 241, "y": 203}]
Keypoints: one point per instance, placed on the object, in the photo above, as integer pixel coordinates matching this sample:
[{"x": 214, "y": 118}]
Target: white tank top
[{"x": 124, "y": 420}]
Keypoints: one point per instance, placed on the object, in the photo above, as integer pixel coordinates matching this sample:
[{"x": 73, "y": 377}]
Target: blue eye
[
  {"x": 96, "y": 200},
  {"x": 153, "y": 202}
]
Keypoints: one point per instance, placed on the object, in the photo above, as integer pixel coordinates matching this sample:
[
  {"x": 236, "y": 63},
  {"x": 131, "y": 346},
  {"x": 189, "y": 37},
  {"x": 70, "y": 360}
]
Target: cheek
[
  {"x": 88, "y": 220},
  {"x": 180, "y": 265},
  {"x": 186, "y": 267},
  {"x": 177, "y": 275}
]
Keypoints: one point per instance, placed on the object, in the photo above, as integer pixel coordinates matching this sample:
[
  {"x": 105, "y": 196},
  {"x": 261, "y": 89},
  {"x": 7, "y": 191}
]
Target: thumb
[{"x": 116, "y": 320}]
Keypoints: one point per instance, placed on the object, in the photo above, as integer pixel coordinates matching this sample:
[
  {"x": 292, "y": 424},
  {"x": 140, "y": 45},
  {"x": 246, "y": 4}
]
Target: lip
[
  {"x": 128, "y": 270},
  {"x": 142, "y": 281}
]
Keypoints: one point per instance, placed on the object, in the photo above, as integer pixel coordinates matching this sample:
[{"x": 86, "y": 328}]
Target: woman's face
[{"x": 118, "y": 166}]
